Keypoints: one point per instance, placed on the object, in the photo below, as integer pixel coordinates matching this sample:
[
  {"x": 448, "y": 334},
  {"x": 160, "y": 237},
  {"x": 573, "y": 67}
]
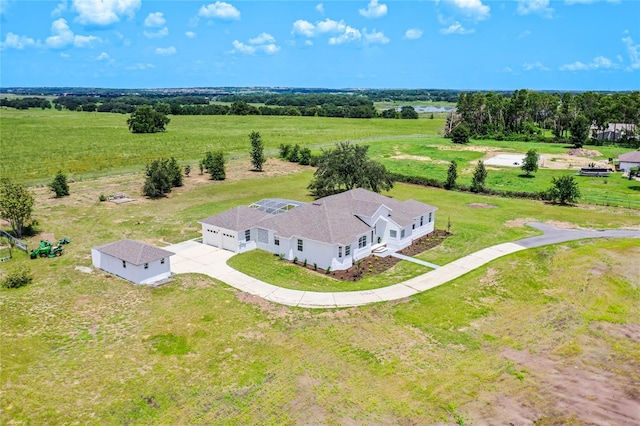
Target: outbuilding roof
[
  {"x": 134, "y": 252},
  {"x": 237, "y": 219},
  {"x": 630, "y": 157}
]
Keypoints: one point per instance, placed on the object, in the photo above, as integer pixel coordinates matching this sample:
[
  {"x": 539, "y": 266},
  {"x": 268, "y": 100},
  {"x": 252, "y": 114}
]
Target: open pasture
[
  {"x": 36, "y": 143},
  {"x": 195, "y": 351}
]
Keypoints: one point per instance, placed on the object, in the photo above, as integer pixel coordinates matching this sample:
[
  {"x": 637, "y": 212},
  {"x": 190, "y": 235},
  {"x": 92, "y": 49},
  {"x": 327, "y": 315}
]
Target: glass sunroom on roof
[{"x": 275, "y": 205}]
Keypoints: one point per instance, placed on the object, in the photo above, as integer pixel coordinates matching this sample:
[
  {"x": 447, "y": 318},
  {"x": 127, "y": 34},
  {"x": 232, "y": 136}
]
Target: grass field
[
  {"x": 93, "y": 349},
  {"x": 90, "y": 144}
]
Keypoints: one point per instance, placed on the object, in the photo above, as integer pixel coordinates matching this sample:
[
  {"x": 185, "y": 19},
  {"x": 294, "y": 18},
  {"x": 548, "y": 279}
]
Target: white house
[
  {"x": 134, "y": 261},
  {"x": 331, "y": 232},
  {"x": 629, "y": 160}
]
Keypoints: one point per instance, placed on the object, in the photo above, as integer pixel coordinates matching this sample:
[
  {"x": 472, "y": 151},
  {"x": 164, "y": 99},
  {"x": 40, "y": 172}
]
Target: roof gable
[
  {"x": 134, "y": 252},
  {"x": 236, "y": 219}
]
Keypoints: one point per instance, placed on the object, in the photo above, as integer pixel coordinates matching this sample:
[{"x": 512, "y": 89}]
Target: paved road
[{"x": 192, "y": 256}]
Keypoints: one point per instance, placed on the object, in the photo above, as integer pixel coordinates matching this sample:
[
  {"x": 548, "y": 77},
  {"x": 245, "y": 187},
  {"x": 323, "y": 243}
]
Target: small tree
[
  {"x": 479, "y": 177},
  {"x": 145, "y": 119},
  {"x": 564, "y": 190},
  {"x": 452, "y": 175},
  {"x": 20, "y": 276},
  {"x": 460, "y": 134},
  {"x": 284, "y": 150},
  {"x": 201, "y": 167},
  {"x": 305, "y": 156},
  {"x": 579, "y": 130},
  {"x": 59, "y": 184},
  {"x": 408, "y": 112},
  {"x": 294, "y": 154},
  {"x": 214, "y": 164},
  {"x": 16, "y": 205},
  {"x": 174, "y": 171},
  {"x": 187, "y": 170},
  {"x": 158, "y": 179},
  {"x": 257, "y": 151},
  {"x": 530, "y": 163}
]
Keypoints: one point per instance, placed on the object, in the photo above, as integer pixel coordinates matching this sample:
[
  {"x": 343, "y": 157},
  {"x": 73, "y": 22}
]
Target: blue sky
[{"x": 447, "y": 44}]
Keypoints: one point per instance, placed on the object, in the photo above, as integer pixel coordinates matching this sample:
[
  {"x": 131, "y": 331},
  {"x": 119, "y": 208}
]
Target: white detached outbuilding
[{"x": 134, "y": 261}]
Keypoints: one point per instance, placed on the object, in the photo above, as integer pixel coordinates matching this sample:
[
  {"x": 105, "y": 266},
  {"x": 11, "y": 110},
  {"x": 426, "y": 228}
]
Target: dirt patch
[
  {"x": 578, "y": 390},
  {"x": 518, "y": 223},
  {"x": 417, "y": 158},
  {"x": 567, "y": 161},
  {"x": 482, "y": 205},
  {"x": 623, "y": 331},
  {"x": 581, "y": 152},
  {"x": 466, "y": 148}
]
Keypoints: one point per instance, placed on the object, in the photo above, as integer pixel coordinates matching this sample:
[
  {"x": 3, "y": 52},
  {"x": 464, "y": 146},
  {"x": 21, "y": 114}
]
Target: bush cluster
[{"x": 20, "y": 276}]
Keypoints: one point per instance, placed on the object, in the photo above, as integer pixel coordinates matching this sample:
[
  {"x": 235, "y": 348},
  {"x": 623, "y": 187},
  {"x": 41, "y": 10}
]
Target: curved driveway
[{"x": 192, "y": 256}]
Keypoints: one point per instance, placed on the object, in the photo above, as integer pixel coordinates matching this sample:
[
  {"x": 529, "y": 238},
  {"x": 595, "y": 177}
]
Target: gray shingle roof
[
  {"x": 334, "y": 219},
  {"x": 237, "y": 219},
  {"x": 134, "y": 252},
  {"x": 631, "y": 157}
]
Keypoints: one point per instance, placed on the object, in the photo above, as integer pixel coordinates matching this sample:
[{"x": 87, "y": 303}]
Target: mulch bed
[{"x": 374, "y": 265}]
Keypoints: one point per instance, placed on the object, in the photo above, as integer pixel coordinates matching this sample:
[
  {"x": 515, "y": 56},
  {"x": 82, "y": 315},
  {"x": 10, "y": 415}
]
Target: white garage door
[{"x": 229, "y": 242}]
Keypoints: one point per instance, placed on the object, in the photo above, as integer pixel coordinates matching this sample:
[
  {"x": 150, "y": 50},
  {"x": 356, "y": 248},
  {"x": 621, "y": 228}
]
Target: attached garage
[{"x": 233, "y": 229}]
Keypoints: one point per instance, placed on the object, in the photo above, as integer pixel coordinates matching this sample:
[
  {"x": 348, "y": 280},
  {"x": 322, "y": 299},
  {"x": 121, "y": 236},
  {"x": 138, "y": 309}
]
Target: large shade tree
[
  {"x": 145, "y": 119},
  {"x": 16, "y": 205},
  {"x": 346, "y": 167}
]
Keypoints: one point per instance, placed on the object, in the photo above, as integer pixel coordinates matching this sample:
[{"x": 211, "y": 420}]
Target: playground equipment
[{"x": 46, "y": 249}]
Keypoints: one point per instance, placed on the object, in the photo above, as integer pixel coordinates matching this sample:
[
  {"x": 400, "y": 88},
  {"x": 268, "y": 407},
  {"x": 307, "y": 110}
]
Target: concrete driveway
[{"x": 194, "y": 257}]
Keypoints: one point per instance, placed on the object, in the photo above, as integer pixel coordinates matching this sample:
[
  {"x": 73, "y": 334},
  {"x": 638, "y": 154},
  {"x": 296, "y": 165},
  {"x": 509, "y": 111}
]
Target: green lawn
[
  {"x": 90, "y": 144},
  {"x": 267, "y": 267}
]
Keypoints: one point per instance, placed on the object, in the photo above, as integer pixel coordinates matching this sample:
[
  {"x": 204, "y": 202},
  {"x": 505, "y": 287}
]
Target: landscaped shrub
[
  {"x": 102, "y": 198},
  {"x": 20, "y": 276}
]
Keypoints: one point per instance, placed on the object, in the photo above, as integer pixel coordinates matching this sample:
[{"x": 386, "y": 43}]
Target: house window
[
  {"x": 347, "y": 250},
  {"x": 430, "y": 215},
  {"x": 146, "y": 266},
  {"x": 276, "y": 240},
  {"x": 362, "y": 242},
  {"x": 247, "y": 234},
  {"x": 124, "y": 264},
  {"x": 162, "y": 261},
  {"x": 421, "y": 219},
  {"x": 339, "y": 251},
  {"x": 413, "y": 226},
  {"x": 393, "y": 233},
  {"x": 300, "y": 245},
  {"x": 402, "y": 234}
]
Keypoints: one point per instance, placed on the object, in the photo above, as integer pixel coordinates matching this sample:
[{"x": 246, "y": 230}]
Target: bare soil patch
[
  {"x": 482, "y": 205},
  {"x": 466, "y": 148},
  {"x": 581, "y": 152},
  {"x": 579, "y": 388},
  {"x": 417, "y": 158}
]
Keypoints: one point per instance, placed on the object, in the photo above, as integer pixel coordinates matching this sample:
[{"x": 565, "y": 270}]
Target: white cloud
[
  {"x": 540, "y": 7},
  {"x": 507, "y": 69},
  {"x": 303, "y": 27},
  {"x": 599, "y": 62},
  {"x": 308, "y": 42},
  {"x": 220, "y": 10},
  {"x": 64, "y": 55},
  {"x": 140, "y": 66},
  {"x": 633, "y": 50},
  {"x": 155, "y": 20},
  {"x": 104, "y": 56},
  {"x": 104, "y": 12},
  {"x": 62, "y": 36},
  {"x": 190, "y": 34},
  {"x": 157, "y": 34},
  {"x": 413, "y": 34},
  {"x": 374, "y": 10},
  {"x": 15, "y": 41},
  {"x": 534, "y": 66},
  {"x": 349, "y": 35},
  {"x": 525, "y": 33},
  {"x": 4, "y": 5},
  {"x": 456, "y": 28},
  {"x": 375, "y": 37},
  {"x": 330, "y": 26},
  {"x": 61, "y": 7},
  {"x": 263, "y": 38},
  {"x": 166, "y": 51},
  {"x": 263, "y": 43},
  {"x": 320, "y": 7},
  {"x": 473, "y": 8}
]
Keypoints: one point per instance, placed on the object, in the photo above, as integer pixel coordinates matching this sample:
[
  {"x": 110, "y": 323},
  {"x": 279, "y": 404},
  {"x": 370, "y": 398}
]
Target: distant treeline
[
  {"x": 528, "y": 113},
  {"x": 25, "y": 103}
]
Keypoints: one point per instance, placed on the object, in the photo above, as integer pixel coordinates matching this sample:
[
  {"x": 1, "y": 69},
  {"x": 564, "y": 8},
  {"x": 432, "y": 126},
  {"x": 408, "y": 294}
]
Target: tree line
[{"x": 528, "y": 114}]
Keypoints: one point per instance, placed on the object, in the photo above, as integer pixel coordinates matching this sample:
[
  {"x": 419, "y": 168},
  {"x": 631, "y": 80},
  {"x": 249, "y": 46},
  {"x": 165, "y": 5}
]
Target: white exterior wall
[
  {"x": 626, "y": 165},
  {"x": 137, "y": 274}
]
